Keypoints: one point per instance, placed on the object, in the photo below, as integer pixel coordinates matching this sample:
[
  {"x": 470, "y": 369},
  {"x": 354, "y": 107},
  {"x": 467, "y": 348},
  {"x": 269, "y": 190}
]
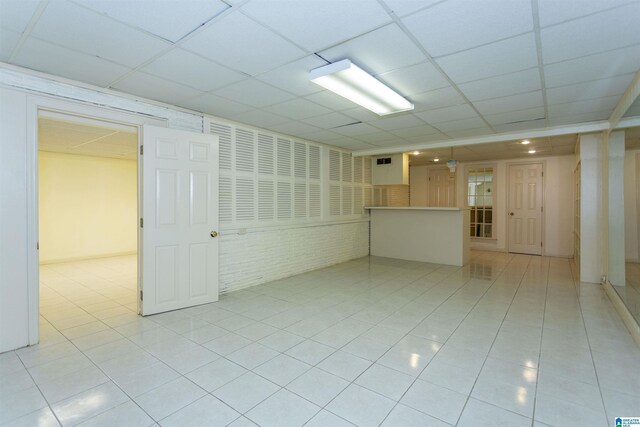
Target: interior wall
[
  {"x": 558, "y": 203},
  {"x": 87, "y": 206},
  {"x": 418, "y": 185},
  {"x": 631, "y": 190},
  {"x": 14, "y": 292}
]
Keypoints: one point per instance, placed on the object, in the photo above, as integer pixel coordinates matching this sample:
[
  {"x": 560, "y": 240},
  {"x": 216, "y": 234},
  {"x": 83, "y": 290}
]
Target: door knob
[
  {"x": 511, "y": 213},
  {"x": 214, "y": 234}
]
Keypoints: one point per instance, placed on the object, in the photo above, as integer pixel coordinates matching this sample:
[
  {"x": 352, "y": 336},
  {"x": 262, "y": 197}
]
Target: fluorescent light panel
[{"x": 352, "y": 82}]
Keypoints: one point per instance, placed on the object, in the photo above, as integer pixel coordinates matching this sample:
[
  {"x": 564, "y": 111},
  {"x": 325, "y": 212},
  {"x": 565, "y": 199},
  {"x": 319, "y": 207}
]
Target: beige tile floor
[{"x": 506, "y": 340}]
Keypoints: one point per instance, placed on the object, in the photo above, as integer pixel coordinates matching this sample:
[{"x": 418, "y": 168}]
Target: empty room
[{"x": 319, "y": 213}]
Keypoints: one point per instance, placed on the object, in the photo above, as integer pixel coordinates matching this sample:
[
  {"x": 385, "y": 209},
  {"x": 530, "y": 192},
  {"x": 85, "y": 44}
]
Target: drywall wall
[
  {"x": 631, "y": 192},
  {"x": 558, "y": 202},
  {"x": 418, "y": 185},
  {"x": 87, "y": 206},
  {"x": 14, "y": 292}
]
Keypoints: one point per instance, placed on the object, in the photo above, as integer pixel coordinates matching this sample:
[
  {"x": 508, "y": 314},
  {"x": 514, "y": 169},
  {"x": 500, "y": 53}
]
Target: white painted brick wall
[{"x": 262, "y": 256}]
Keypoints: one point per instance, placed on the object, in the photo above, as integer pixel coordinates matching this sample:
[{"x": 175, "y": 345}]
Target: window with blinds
[{"x": 267, "y": 179}]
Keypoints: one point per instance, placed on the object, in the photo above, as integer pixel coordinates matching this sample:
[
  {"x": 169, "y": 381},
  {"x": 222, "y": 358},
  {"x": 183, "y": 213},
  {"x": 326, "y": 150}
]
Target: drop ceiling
[
  {"x": 471, "y": 67},
  {"x": 87, "y": 138},
  {"x": 544, "y": 147}
]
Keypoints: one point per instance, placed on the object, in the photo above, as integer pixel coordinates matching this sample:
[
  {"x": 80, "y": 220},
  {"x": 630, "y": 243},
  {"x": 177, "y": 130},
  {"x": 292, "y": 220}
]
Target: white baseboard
[{"x": 84, "y": 258}]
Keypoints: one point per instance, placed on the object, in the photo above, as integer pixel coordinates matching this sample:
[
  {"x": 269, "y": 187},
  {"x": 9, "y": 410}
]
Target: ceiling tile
[
  {"x": 592, "y": 34},
  {"x": 415, "y": 79},
  {"x": 505, "y": 104},
  {"x": 227, "y": 40},
  {"x": 444, "y": 97},
  {"x": 398, "y": 122},
  {"x": 523, "y": 125},
  {"x": 329, "y": 121},
  {"x": 554, "y": 11},
  {"x": 161, "y": 18},
  {"x": 447, "y": 114},
  {"x": 260, "y": 118},
  {"x": 464, "y": 124},
  {"x": 356, "y": 130},
  {"x": 589, "y": 90},
  {"x": 298, "y": 109},
  {"x": 579, "y": 118},
  {"x": 215, "y": 105},
  {"x": 506, "y": 56},
  {"x": 41, "y": 56},
  {"x": 456, "y": 25},
  {"x": 325, "y": 136},
  {"x": 405, "y": 7},
  {"x": 382, "y": 50},
  {"x": 634, "y": 110},
  {"x": 379, "y": 137},
  {"x": 295, "y": 128},
  {"x": 8, "y": 41},
  {"x": 415, "y": 131},
  {"x": 504, "y": 85},
  {"x": 80, "y": 29},
  {"x": 607, "y": 64},
  {"x": 332, "y": 101},
  {"x": 361, "y": 114},
  {"x": 427, "y": 138},
  {"x": 152, "y": 87},
  {"x": 294, "y": 77},
  {"x": 515, "y": 116},
  {"x": 463, "y": 133},
  {"x": 192, "y": 70},
  {"x": 582, "y": 107},
  {"x": 315, "y": 25},
  {"x": 253, "y": 92},
  {"x": 16, "y": 14}
]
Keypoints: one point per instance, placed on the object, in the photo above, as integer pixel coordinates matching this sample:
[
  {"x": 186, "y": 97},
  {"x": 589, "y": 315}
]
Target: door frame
[
  {"x": 36, "y": 103},
  {"x": 544, "y": 200}
]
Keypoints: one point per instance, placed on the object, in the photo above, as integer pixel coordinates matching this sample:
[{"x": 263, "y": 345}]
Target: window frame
[{"x": 473, "y": 224}]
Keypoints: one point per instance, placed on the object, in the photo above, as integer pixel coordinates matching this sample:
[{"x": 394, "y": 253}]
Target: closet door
[{"x": 179, "y": 219}]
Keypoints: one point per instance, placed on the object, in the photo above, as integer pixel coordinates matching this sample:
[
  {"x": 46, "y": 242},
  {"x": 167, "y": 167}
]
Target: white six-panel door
[
  {"x": 180, "y": 219},
  {"x": 525, "y": 209}
]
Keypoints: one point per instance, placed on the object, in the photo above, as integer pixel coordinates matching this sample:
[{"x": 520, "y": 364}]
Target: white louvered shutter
[
  {"x": 225, "y": 196},
  {"x": 224, "y": 133},
  {"x": 265, "y": 154},
  {"x": 314, "y": 201},
  {"x": 314, "y": 162},
  {"x": 245, "y": 199},
  {"x": 266, "y": 197},
  {"x": 284, "y": 200}
]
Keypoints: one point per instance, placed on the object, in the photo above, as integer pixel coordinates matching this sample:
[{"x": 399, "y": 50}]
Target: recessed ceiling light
[
  {"x": 531, "y": 151},
  {"x": 352, "y": 82},
  {"x": 525, "y": 142},
  {"x": 436, "y": 159},
  {"x": 415, "y": 153}
]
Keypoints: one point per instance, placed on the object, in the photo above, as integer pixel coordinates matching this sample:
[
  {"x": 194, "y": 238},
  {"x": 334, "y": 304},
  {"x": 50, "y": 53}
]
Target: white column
[
  {"x": 590, "y": 208},
  {"x": 616, "y": 264}
]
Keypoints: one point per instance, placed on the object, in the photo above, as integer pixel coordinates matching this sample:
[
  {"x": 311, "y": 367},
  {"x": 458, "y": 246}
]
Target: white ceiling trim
[
  {"x": 628, "y": 98},
  {"x": 501, "y": 137}
]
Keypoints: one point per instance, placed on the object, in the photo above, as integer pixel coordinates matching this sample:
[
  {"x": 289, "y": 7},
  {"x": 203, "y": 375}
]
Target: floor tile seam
[
  {"x": 41, "y": 395},
  {"x": 544, "y": 312},
  {"x": 443, "y": 344},
  {"x": 111, "y": 380},
  {"x": 586, "y": 330},
  {"x": 494, "y": 339}
]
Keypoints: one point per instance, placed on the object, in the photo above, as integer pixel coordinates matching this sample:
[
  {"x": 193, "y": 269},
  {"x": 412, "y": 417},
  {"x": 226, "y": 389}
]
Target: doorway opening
[{"x": 87, "y": 222}]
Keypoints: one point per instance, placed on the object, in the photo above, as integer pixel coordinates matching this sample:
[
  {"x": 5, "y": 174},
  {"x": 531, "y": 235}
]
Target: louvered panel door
[
  {"x": 180, "y": 210},
  {"x": 525, "y": 209}
]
